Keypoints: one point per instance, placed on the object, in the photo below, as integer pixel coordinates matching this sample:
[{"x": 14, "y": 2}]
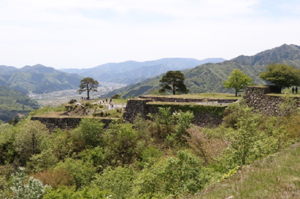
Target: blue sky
[{"x": 84, "y": 34}]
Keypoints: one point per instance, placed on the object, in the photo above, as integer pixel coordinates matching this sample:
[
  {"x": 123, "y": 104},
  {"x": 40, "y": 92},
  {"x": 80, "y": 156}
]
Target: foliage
[
  {"x": 288, "y": 106},
  {"x": 31, "y": 140},
  {"x": 88, "y": 84},
  {"x": 55, "y": 178},
  {"x": 243, "y": 139},
  {"x": 233, "y": 112},
  {"x": 71, "y": 193},
  {"x": 119, "y": 181},
  {"x": 204, "y": 146},
  {"x": 173, "y": 81},
  {"x": 89, "y": 132},
  {"x": 72, "y": 101},
  {"x": 33, "y": 189},
  {"x": 184, "y": 121},
  {"x": 121, "y": 142},
  {"x": 238, "y": 81},
  {"x": 174, "y": 175},
  {"x": 43, "y": 160},
  {"x": 281, "y": 75},
  {"x": 116, "y": 96},
  {"x": 81, "y": 171}
]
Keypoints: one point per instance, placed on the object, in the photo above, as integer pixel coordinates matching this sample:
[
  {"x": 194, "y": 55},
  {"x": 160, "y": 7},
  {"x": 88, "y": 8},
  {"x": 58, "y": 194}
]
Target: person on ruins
[{"x": 293, "y": 90}]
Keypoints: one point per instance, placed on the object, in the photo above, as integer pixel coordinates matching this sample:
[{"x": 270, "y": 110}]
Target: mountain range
[
  {"x": 209, "y": 77},
  {"x": 37, "y": 79},
  {"x": 130, "y": 72}
]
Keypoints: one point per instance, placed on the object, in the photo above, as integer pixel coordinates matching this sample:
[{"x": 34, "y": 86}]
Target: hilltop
[
  {"x": 209, "y": 77},
  {"x": 37, "y": 79}
]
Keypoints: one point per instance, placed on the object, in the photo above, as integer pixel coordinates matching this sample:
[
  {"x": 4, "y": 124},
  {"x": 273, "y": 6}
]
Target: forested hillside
[
  {"x": 209, "y": 77},
  {"x": 13, "y": 102},
  {"x": 37, "y": 79},
  {"x": 164, "y": 156}
]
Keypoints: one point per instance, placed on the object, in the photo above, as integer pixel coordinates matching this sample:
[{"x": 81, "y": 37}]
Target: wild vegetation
[{"x": 165, "y": 157}]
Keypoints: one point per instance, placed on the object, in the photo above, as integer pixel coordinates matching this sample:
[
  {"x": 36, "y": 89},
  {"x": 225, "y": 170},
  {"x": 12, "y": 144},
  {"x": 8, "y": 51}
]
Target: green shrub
[
  {"x": 119, "y": 181},
  {"x": 71, "y": 193},
  {"x": 81, "y": 171},
  {"x": 72, "y": 101},
  {"x": 172, "y": 176}
]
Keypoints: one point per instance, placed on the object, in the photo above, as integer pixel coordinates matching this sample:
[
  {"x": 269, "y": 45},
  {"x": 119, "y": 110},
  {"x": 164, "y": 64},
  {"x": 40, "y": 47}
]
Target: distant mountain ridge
[
  {"x": 37, "y": 79},
  {"x": 132, "y": 71},
  {"x": 209, "y": 77}
]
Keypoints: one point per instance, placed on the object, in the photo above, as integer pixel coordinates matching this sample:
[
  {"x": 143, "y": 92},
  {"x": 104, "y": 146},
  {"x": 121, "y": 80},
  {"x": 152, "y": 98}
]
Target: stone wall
[
  {"x": 143, "y": 107},
  {"x": 64, "y": 123},
  {"x": 256, "y": 97}
]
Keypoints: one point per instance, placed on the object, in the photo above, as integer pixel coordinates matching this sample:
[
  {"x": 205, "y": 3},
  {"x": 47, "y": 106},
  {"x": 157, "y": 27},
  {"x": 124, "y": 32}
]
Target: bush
[
  {"x": 21, "y": 189},
  {"x": 72, "y": 101},
  {"x": 116, "y": 96},
  {"x": 71, "y": 193},
  {"x": 119, "y": 181},
  {"x": 174, "y": 175},
  {"x": 82, "y": 172}
]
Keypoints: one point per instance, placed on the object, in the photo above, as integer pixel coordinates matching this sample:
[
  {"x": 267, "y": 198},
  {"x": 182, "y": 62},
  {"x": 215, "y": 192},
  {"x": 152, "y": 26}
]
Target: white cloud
[{"x": 76, "y": 33}]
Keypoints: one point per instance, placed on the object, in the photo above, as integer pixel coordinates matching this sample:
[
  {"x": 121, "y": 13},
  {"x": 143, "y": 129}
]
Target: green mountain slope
[
  {"x": 209, "y": 77},
  {"x": 13, "y": 102},
  {"x": 37, "y": 79},
  {"x": 132, "y": 71}
]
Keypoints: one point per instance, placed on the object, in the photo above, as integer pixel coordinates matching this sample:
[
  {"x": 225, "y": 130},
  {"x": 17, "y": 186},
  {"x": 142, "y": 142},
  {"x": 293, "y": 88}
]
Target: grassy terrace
[
  {"x": 283, "y": 95},
  {"x": 277, "y": 176},
  {"x": 201, "y": 95},
  {"x": 183, "y": 104}
]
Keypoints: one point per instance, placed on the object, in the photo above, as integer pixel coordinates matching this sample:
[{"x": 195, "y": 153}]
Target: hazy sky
[{"x": 87, "y": 33}]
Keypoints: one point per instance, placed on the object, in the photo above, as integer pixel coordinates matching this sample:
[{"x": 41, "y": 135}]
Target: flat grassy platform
[{"x": 201, "y": 95}]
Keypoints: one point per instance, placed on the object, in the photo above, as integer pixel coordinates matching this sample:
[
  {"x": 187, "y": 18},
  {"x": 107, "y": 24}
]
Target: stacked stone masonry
[
  {"x": 257, "y": 98},
  {"x": 142, "y": 107},
  {"x": 64, "y": 123}
]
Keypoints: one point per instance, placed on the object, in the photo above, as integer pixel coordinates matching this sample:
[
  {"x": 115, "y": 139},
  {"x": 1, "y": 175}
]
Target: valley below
[{"x": 56, "y": 98}]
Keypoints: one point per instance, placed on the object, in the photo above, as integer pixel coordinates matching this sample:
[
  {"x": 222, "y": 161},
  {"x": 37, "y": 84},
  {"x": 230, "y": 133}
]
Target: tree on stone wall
[{"x": 281, "y": 75}]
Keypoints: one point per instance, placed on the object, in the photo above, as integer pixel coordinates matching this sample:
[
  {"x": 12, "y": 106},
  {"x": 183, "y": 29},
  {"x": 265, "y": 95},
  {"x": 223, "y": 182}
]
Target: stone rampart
[
  {"x": 65, "y": 122},
  {"x": 203, "y": 115},
  {"x": 261, "y": 99}
]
